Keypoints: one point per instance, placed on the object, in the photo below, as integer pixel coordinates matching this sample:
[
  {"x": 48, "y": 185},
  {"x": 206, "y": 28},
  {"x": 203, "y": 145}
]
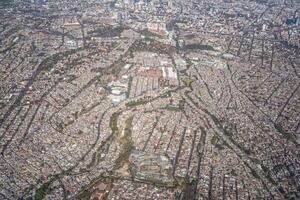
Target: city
[{"x": 150, "y": 99}]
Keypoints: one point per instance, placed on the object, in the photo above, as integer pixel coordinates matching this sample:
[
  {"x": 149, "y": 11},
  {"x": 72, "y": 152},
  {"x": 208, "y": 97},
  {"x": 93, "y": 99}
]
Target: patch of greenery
[
  {"x": 113, "y": 123},
  {"x": 85, "y": 195},
  {"x": 219, "y": 147},
  {"x": 214, "y": 140},
  {"x": 107, "y": 32},
  {"x": 127, "y": 143},
  {"x": 41, "y": 192},
  {"x": 136, "y": 103},
  {"x": 172, "y": 108},
  {"x": 128, "y": 127},
  {"x": 188, "y": 82},
  {"x": 200, "y": 47},
  {"x": 129, "y": 86},
  {"x": 243, "y": 148},
  {"x": 150, "y": 34}
]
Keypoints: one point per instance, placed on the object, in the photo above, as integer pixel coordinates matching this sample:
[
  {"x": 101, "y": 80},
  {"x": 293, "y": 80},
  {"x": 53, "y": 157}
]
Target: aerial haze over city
[{"x": 149, "y": 99}]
